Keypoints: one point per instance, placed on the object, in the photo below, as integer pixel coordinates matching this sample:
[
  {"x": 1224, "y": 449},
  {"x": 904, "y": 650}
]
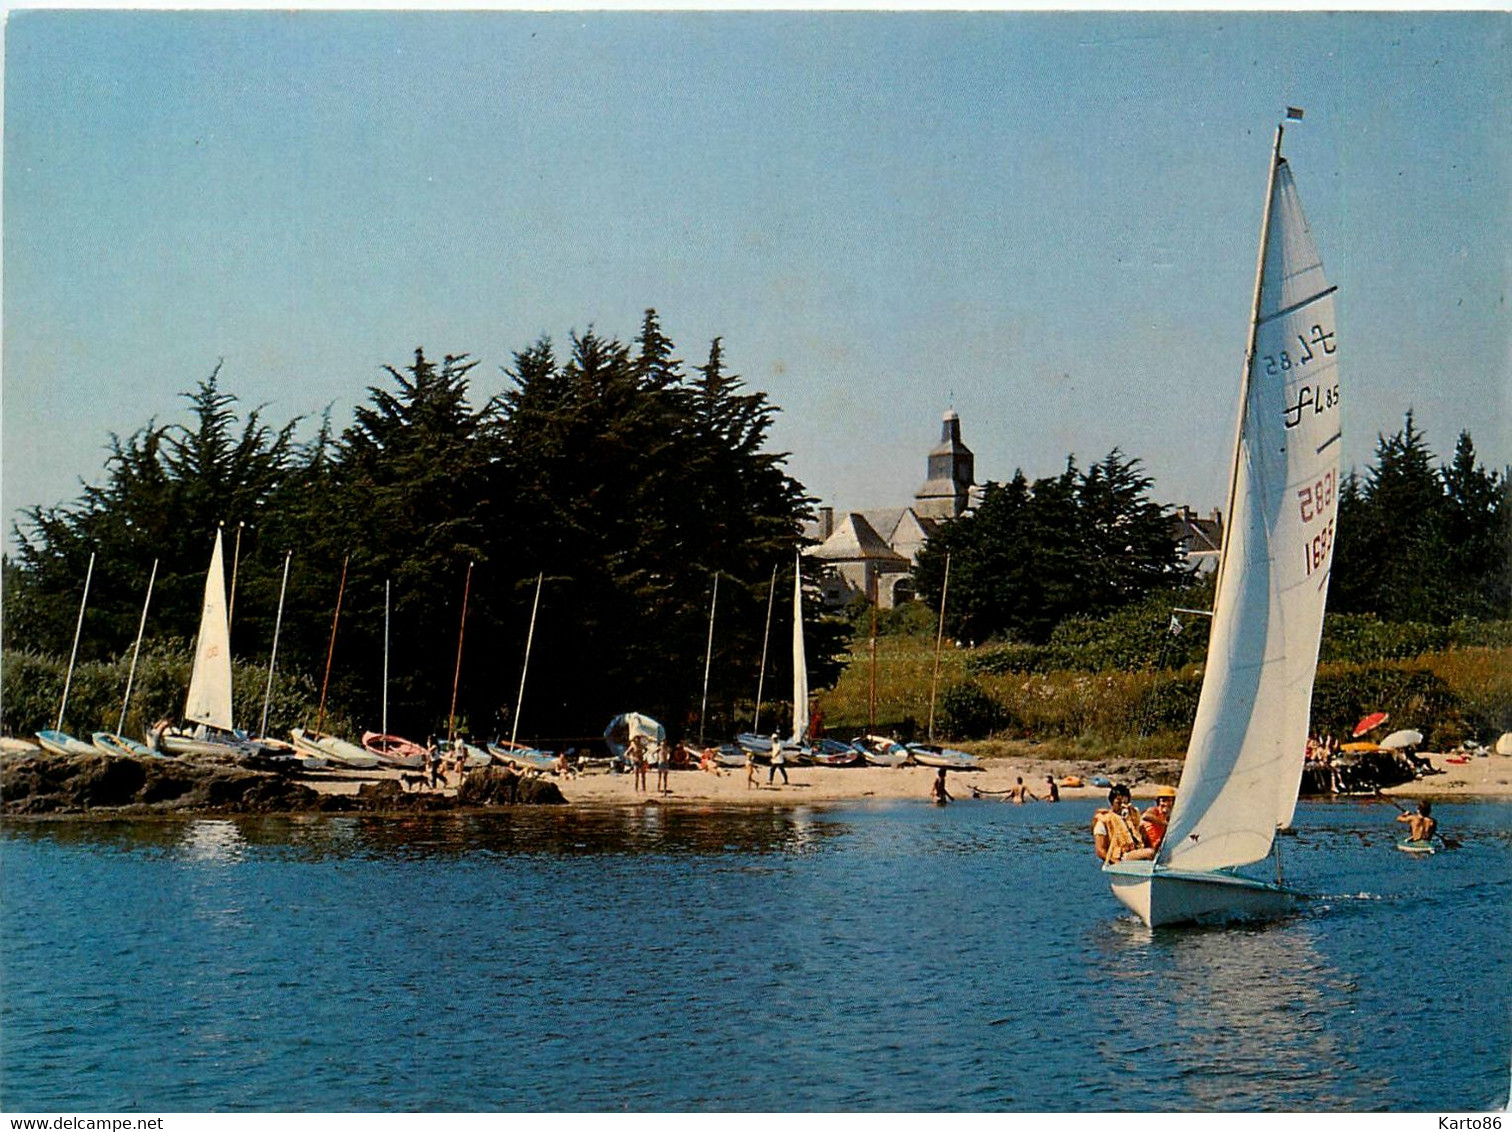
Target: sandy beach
[{"x": 1485, "y": 777}]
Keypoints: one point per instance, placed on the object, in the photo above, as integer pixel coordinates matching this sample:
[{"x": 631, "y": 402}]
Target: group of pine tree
[{"x": 619, "y": 482}]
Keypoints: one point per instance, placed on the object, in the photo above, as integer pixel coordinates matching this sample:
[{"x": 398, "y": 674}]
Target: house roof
[{"x": 854, "y": 539}]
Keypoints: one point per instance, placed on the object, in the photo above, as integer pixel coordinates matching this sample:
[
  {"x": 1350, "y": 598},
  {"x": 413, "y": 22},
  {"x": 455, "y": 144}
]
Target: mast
[
  {"x": 529, "y": 637},
  {"x": 939, "y": 645},
  {"x": 331, "y": 652},
  {"x": 1249, "y": 361},
  {"x": 708, "y": 658},
  {"x": 262, "y": 730},
  {"x": 78, "y": 629},
  {"x": 235, "y": 562},
  {"x": 871, "y": 694},
  {"x": 137, "y": 650},
  {"x": 383, "y": 716},
  {"x": 765, "y": 640},
  {"x": 451, "y": 719}
]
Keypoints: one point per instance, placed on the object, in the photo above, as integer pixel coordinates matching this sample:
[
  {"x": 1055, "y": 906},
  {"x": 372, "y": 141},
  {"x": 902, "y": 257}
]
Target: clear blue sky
[{"x": 1045, "y": 220}]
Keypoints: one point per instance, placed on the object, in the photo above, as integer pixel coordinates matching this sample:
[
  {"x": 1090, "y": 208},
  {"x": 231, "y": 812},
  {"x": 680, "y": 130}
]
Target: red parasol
[{"x": 1370, "y": 723}]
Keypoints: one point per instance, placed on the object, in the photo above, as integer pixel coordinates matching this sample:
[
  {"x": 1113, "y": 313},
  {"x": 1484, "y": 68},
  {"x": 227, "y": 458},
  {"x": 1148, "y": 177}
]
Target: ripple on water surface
[{"x": 878, "y": 957}]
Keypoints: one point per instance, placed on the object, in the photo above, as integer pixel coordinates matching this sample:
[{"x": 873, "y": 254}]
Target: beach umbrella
[
  {"x": 1399, "y": 739},
  {"x": 1370, "y": 723}
]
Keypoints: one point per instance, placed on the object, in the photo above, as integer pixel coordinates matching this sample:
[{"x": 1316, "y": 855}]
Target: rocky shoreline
[{"x": 47, "y": 784}]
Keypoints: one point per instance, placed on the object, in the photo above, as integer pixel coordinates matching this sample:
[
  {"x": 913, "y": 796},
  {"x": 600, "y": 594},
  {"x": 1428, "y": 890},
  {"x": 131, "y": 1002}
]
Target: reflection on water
[
  {"x": 212, "y": 842},
  {"x": 1248, "y": 1017},
  {"x": 891, "y": 956}
]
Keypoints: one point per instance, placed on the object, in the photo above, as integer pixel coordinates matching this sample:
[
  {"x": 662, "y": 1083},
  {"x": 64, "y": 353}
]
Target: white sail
[
  {"x": 1244, "y": 762},
  {"x": 210, "y": 685},
  {"x": 800, "y": 661}
]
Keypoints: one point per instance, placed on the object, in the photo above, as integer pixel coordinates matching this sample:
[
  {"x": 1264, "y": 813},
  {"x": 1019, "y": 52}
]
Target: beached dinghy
[
  {"x": 320, "y": 744},
  {"x": 1244, "y": 763},
  {"x": 391, "y": 750},
  {"x": 110, "y": 743},
  {"x": 62, "y": 743},
  {"x": 881, "y": 751},
  {"x": 523, "y": 759},
  {"x": 208, "y": 704},
  {"x": 927, "y": 754}
]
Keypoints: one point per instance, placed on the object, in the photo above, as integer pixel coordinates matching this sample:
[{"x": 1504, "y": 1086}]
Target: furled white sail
[
  {"x": 210, "y": 685},
  {"x": 800, "y": 661},
  {"x": 1244, "y": 762}
]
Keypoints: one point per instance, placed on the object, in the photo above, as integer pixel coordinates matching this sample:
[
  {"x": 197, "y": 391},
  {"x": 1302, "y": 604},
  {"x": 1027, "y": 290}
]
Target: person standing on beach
[
  {"x": 937, "y": 792},
  {"x": 779, "y": 761},
  {"x": 638, "y": 760},
  {"x": 751, "y": 780},
  {"x": 663, "y": 765}
]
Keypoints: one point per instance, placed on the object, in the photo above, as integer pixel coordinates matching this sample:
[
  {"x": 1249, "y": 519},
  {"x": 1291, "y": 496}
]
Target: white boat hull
[
  {"x": 319, "y": 745},
  {"x": 1162, "y": 897}
]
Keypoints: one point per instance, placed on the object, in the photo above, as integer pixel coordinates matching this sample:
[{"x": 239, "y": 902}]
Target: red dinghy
[{"x": 393, "y": 750}]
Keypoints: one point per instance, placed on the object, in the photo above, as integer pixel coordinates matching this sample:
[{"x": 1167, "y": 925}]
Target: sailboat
[
  {"x": 391, "y": 750},
  {"x": 55, "y": 739},
  {"x": 208, "y": 704},
  {"x": 1244, "y": 762},
  {"x": 796, "y": 747}
]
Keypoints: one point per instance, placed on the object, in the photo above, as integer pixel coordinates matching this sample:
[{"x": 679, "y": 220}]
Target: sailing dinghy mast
[
  {"x": 331, "y": 652},
  {"x": 934, "y": 682},
  {"x": 262, "y": 729},
  {"x": 451, "y": 718},
  {"x": 78, "y": 629},
  {"x": 514, "y": 731},
  {"x": 1249, "y": 360},
  {"x": 137, "y": 650},
  {"x": 703, "y": 709},
  {"x": 766, "y": 638}
]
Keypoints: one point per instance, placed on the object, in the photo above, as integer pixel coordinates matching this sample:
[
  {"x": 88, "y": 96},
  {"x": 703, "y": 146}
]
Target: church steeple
[{"x": 951, "y": 468}]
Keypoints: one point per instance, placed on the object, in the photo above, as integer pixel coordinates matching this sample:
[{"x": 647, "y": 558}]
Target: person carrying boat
[
  {"x": 1421, "y": 825},
  {"x": 1116, "y": 833},
  {"x": 1153, "y": 822}
]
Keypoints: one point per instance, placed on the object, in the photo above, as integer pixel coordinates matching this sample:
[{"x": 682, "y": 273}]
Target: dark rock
[{"x": 496, "y": 786}]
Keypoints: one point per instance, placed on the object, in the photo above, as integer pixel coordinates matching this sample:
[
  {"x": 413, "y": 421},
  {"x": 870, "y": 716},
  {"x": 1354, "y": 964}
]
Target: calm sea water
[{"x": 858, "y": 958}]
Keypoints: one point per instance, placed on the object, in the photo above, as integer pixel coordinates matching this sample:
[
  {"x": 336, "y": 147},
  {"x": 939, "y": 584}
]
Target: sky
[{"x": 1046, "y": 221}]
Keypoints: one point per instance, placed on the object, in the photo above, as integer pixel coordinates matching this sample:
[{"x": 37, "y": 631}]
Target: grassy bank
[{"x": 1453, "y": 695}]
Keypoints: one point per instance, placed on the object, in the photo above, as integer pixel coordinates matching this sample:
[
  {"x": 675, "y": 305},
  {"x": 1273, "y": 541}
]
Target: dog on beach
[{"x": 412, "y": 781}]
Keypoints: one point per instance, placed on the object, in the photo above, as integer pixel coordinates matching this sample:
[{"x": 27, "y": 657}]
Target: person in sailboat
[
  {"x": 1153, "y": 822},
  {"x": 1421, "y": 825},
  {"x": 1116, "y": 831}
]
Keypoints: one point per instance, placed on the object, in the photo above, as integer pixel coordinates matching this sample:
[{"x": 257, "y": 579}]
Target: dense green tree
[
  {"x": 166, "y": 490},
  {"x": 1419, "y": 542},
  {"x": 1080, "y": 544}
]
